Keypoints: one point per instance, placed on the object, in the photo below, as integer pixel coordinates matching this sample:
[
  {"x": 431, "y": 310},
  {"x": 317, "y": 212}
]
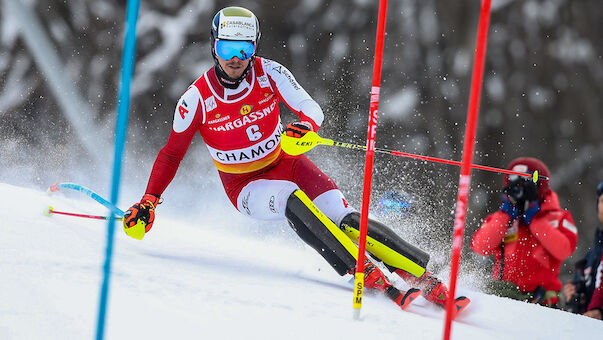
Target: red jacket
[{"x": 532, "y": 255}]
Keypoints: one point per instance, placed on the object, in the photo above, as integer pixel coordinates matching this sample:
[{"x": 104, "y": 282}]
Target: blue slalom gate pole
[
  {"x": 123, "y": 105},
  {"x": 88, "y": 192}
]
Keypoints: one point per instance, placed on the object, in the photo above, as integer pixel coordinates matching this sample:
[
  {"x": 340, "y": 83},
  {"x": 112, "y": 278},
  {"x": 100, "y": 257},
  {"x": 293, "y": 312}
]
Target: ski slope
[{"x": 203, "y": 279}]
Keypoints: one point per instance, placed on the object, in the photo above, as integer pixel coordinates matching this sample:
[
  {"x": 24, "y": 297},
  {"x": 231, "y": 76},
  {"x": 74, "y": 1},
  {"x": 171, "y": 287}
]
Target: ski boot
[
  {"x": 375, "y": 279},
  {"x": 434, "y": 290}
]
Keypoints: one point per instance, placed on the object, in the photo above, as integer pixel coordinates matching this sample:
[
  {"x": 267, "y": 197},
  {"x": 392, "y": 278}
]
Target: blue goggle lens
[{"x": 228, "y": 49}]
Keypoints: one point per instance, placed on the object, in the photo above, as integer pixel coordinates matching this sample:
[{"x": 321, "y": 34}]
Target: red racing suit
[
  {"x": 529, "y": 256},
  {"x": 241, "y": 128}
]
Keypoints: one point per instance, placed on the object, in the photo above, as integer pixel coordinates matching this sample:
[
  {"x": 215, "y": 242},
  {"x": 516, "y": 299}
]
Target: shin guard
[
  {"x": 385, "y": 245},
  {"x": 321, "y": 233}
]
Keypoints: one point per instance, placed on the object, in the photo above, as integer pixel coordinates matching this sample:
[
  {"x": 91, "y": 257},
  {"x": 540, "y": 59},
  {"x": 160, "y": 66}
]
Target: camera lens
[{"x": 517, "y": 191}]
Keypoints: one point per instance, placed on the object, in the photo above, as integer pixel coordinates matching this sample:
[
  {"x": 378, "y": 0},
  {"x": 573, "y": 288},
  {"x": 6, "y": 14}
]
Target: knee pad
[
  {"x": 385, "y": 245},
  {"x": 321, "y": 233},
  {"x": 265, "y": 199},
  {"x": 333, "y": 204}
]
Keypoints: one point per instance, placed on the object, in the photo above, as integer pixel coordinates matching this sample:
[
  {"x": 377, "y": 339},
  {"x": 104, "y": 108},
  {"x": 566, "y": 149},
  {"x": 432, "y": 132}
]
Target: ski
[
  {"x": 401, "y": 298},
  {"x": 460, "y": 303}
]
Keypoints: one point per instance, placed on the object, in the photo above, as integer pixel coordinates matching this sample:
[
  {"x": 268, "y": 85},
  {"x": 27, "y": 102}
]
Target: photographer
[
  {"x": 529, "y": 236},
  {"x": 584, "y": 295}
]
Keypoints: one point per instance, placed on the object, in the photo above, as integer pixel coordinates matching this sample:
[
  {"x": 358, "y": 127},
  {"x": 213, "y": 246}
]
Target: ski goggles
[{"x": 228, "y": 49}]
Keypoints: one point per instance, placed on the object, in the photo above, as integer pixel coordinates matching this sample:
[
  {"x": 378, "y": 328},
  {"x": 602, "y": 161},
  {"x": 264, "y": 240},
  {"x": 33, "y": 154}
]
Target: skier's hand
[
  {"x": 138, "y": 220},
  {"x": 509, "y": 208},
  {"x": 298, "y": 129}
]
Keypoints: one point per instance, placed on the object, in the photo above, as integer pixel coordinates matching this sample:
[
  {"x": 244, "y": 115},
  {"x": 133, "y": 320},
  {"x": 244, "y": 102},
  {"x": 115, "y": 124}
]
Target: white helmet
[{"x": 235, "y": 23}]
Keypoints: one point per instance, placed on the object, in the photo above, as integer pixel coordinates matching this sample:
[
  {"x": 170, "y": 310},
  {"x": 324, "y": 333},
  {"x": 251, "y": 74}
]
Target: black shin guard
[
  {"x": 320, "y": 233},
  {"x": 385, "y": 245}
]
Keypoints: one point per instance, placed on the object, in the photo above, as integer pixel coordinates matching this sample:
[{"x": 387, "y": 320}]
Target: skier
[
  {"x": 234, "y": 105},
  {"x": 529, "y": 236},
  {"x": 584, "y": 294}
]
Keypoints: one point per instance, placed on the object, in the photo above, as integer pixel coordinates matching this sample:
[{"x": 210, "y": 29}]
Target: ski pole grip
[{"x": 137, "y": 231}]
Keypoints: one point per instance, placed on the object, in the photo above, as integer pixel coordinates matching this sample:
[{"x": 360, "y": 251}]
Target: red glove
[
  {"x": 298, "y": 129},
  {"x": 138, "y": 220}
]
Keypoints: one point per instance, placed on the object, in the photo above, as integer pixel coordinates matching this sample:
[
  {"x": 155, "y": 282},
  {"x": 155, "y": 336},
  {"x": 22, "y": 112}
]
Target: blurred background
[{"x": 60, "y": 69}]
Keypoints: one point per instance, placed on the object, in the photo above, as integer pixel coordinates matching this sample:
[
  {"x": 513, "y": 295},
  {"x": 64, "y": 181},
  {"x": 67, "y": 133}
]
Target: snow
[
  {"x": 191, "y": 279},
  {"x": 400, "y": 105}
]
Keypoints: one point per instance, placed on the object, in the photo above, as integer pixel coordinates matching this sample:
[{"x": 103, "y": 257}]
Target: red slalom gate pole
[
  {"x": 465, "y": 177},
  {"x": 51, "y": 211},
  {"x": 370, "y": 155}
]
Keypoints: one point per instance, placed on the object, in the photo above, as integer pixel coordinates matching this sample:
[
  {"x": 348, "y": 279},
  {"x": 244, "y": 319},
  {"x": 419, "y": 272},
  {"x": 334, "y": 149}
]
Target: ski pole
[
  {"x": 51, "y": 211},
  {"x": 72, "y": 186},
  {"x": 297, "y": 146}
]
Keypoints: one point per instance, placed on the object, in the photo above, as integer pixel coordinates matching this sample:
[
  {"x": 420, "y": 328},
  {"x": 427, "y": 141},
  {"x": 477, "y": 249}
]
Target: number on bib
[{"x": 253, "y": 133}]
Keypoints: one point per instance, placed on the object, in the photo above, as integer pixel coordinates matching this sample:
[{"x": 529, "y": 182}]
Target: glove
[
  {"x": 509, "y": 207},
  {"x": 298, "y": 129},
  {"x": 532, "y": 209},
  {"x": 138, "y": 220}
]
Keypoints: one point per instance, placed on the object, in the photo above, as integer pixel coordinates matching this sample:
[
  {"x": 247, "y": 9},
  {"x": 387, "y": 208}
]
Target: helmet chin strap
[{"x": 224, "y": 79}]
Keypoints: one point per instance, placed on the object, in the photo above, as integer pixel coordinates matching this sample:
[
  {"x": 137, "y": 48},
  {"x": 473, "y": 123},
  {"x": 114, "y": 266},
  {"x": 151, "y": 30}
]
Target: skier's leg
[
  {"x": 386, "y": 245},
  {"x": 276, "y": 199},
  {"x": 382, "y": 242},
  {"x": 327, "y": 239},
  {"x": 279, "y": 199},
  {"x": 320, "y": 233}
]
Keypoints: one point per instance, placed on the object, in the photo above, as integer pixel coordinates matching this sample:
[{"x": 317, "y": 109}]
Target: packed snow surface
[{"x": 202, "y": 279}]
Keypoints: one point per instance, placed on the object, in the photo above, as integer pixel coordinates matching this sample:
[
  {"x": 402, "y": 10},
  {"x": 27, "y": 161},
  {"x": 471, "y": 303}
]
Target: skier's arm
[
  {"x": 187, "y": 117},
  {"x": 491, "y": 234},
  {"x": 556, "y": 232},
  {"x": 293, "y": 95},
  {"x": 139, "y": 218},
  {"x": 167, "y": 162}
]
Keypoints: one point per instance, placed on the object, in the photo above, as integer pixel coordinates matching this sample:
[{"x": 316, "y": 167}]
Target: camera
[{"x": 520, "y": 190}]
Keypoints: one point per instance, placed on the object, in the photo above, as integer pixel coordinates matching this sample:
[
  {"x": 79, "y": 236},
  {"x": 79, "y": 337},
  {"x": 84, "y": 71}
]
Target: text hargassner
[
  {"x": 244, "y": 120},
  {"x": 249, "y": 154}
]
